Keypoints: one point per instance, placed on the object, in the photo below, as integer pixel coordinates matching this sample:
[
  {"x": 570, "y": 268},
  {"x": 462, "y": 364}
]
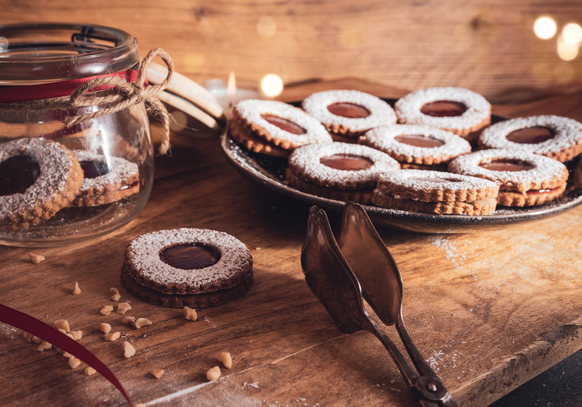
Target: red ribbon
[
  {"x": 11, "y": 94},
  {"x": 34, "y": 326}
]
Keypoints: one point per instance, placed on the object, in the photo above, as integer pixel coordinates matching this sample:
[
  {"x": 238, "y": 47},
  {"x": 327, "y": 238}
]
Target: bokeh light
[
  {"x": 266, "y": 27},
  {"x": 567, "y": 51},
  {"x": 271, "y": 85},
  {"x": 572, "y": 33},
  {"x": 545, "y": 28},
  {"x": 193, "y": 62}
]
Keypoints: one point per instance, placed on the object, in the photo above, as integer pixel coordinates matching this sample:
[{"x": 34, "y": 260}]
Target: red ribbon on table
[
  {"x": 12, "y": 94},
  {"x": 38, "y": 328}
]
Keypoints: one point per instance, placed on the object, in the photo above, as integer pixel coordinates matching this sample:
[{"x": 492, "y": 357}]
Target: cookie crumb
[
  {"x": 90, "y": 371},
  {"x": 74, "y": 362},
  {"x": 77, "y": 335},
  {"x": 157, "y": 373},
  {"x": 44, "y": 345},
  {"x": 36, "y": 258},
  {"x": 62, "y": 324},
  {"x": 128, "y": 320},
  {"x": 112, "y": 336},
  {"x": 104, "y": 327},
  {"x": 106, "y": 310},
  {"x": 76, "y": 289},
  {"x": 142, "y": 322},
  {"x": 128, "y": 350},
  {"x": 123, "y": 307},
  {"x": 116, "y": 296},
  {"x": 225, "y": 359},
  {"x": 213, "y": 374},
  {"x": 28, "y": 337},
  {"x": 190, "y": 314},
  {"x": 36, "y": 339}
]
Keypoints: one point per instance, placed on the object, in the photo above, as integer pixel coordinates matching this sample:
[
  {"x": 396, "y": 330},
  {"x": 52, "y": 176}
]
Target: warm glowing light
[
  {"x": 231, "y": 88},
  {"x": 572, "y": 33},
  {"x": 271, "y": 85},
  {"x": 266, "y": 27},
  {"x": 193, "y": 63},
  {"x": 567, "y": 51},
  {"x": 545, "y": 28}
]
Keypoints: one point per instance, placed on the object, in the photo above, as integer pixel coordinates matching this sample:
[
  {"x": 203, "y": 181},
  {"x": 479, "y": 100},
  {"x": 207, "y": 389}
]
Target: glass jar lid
[{"x": 41, "y": 53}]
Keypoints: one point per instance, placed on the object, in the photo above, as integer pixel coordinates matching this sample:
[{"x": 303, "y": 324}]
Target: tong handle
[{"x": 429, "y": 390}]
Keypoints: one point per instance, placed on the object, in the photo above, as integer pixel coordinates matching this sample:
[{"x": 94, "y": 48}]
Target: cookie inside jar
[{"x": 69, "y": 172}]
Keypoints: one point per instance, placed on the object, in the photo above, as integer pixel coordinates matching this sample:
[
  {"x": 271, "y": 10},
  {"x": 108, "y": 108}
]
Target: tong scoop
[{"x": 336, "y": 273}]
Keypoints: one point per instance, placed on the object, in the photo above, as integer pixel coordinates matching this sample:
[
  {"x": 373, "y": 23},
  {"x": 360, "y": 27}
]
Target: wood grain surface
[
  {"x": 488, "y": 310},
  {"x": 487, "y": 46}
]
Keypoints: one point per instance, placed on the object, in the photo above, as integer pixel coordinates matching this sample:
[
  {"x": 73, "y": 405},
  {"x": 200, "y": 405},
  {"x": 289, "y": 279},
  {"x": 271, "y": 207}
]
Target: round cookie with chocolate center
[
  {"x": 37, "y": 179},
  {"x": 348, "y": 114},
  {"x": 524, "y": 179},
  {"x": 341, "y": 171},
  {"x": 457, "y": 110},
  {"x": 556, "y": 137},
  {"x": 412, "y": 144},
  {"x": 436, "y": 192},
  {"x": 106, "y": 179},
  {"x": 274, "y": 128},
  {"x": 188, "y": 261}
]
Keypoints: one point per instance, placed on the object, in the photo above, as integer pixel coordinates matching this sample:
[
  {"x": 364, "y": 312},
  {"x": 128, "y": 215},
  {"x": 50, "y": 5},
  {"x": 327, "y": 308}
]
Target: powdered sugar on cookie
[
  {"x": 306, "y": 163},
  {"x": 567, "y": 134},
  {"x": 542, "y": 172},
  {"x": 478, "y": 113},
  {"x": 385, "y": 139},
  {"x": 120, "y": 171},
  {"x": 252, "y": 109},
  {"x": 381, "y": 113},
  {"x": 143, "y": 258},
  {"x": 59, "y": 171}
]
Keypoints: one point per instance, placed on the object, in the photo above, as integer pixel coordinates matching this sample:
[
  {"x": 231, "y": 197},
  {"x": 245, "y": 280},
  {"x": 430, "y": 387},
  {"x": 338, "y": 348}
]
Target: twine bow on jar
[{"x": 110, "y": 94}]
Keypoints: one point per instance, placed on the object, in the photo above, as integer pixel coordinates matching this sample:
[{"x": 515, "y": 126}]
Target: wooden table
[{"x": 489, "y": 310}]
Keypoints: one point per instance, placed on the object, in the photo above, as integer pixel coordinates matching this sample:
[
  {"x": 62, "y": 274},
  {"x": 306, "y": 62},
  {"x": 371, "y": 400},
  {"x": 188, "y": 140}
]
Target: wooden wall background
[{"x": 487, "y": 46}]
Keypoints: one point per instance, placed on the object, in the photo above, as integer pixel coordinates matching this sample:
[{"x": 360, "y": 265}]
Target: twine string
[{"x": 118, "y": 95}]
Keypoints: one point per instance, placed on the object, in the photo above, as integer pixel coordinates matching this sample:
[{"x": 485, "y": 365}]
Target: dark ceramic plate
[{"x": 270, "y": 173}]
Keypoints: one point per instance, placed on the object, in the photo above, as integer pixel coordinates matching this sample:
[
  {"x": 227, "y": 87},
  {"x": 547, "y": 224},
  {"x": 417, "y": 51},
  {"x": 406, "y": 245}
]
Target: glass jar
[{"x": 59, "y": 182}]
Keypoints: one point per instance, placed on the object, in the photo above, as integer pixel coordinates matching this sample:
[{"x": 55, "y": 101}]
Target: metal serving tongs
[{"x": 334, "y": 274}]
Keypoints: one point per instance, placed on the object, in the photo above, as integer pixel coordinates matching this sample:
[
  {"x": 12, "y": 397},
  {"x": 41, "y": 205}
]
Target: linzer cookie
[
  {"x": 194, "y": 267},
  {"x": 556, "y": 137},
  {"x": 436, "y": 192},
  {"x": 274, "y": 128},
  {"x": 341, "y": 171},
  {"x": 37, "y": 179},
  {"x": 107, "y": 179},
  {"x": 457, "y": 110},
  {"x": 525, "y": 179},
  {"x": 348, "y": 114},
  {"x": 420, "y": 146}
]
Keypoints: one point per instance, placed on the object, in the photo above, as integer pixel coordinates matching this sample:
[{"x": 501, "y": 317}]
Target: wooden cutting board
[{"x": 488, "y": 310}]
